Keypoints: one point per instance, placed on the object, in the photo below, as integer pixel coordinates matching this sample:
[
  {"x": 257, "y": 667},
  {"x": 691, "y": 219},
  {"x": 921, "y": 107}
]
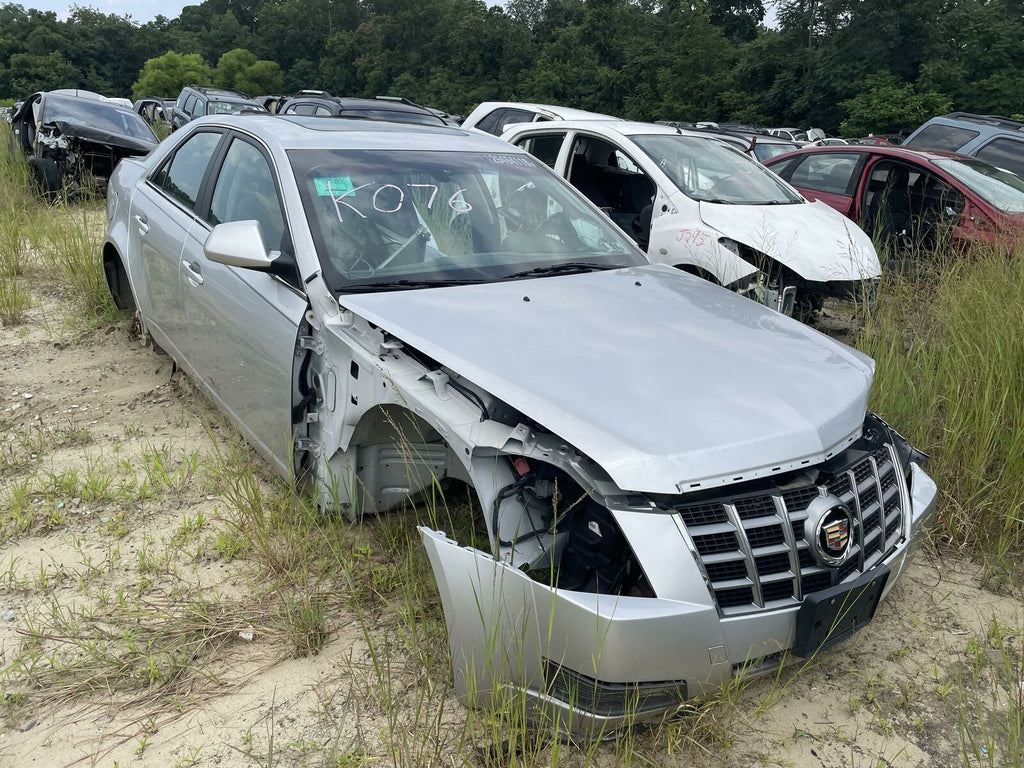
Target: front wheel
[{"x": 46, "y": 177}]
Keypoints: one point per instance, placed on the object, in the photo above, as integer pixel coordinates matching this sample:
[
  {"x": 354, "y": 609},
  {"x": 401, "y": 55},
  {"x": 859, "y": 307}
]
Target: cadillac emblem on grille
[{"x": 829, "y": 531}]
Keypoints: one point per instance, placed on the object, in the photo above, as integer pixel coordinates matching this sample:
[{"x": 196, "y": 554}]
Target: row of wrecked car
[{"x": 678, "y": 485}]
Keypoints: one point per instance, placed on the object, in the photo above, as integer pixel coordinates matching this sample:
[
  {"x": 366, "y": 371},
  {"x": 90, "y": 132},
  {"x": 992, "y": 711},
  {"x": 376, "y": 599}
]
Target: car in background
[
  {"x": 74, "y": 139},
  {"x": 323, "y": 104},
  {"x": 155, "y": 110},
  {"x": 272, "y": 102},
  {"x": 494, "y": 116},
  {"x": 676, "y": 482},
  {"x": 197, "y": 101},
  {"x": 693, "y": 203},
  {"x": 996, "y": 140},
  {"x": 760, "y": 145},
  {"x": 911, "y": 200}
]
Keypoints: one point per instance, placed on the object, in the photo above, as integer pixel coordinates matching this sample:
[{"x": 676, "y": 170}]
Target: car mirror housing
[{"x": 239, "y": 244}]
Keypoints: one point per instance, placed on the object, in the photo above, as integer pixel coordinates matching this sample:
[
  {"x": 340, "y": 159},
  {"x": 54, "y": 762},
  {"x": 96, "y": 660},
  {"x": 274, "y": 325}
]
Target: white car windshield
[
  {"x": 999, "y": 188},
  {"x": 710, "y": 172},
  {"x": 407, "y": 219}
]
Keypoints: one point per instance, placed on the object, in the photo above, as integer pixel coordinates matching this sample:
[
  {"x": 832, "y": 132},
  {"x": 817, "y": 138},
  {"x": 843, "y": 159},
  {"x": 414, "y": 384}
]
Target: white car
[
  {"x": 694, "y": 203},
  {"x": 494, "y": 116}
]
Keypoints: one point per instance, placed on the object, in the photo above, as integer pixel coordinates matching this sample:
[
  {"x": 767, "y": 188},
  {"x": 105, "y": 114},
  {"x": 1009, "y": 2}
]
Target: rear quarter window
[{"x": 1007, "y": 154}]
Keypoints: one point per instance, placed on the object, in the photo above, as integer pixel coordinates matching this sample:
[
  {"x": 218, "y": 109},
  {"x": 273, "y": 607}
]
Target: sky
[{"x": 140, "y": 10}]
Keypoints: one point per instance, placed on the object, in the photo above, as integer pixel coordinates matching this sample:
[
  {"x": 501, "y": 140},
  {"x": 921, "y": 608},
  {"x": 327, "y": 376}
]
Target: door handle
[
  {"x": 195, "y": 275},
  {"x": 142, "y": 222}
]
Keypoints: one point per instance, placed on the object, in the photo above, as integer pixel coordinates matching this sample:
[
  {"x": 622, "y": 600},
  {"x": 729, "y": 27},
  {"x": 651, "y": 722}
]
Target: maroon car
[{"x": 911, "y": 200}]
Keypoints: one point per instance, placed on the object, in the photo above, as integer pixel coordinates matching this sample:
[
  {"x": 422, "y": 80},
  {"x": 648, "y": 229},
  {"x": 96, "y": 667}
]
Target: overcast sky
[{"x": 140, "y": 10}]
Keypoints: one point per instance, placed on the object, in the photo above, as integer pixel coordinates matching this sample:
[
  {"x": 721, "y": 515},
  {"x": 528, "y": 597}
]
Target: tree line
[{"x": 848, "y": 66}]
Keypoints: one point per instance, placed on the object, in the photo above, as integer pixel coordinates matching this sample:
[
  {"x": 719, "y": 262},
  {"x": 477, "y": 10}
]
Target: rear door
[
  {"x": 162, "y": 215},
  {"x": 242, "y": 324}
]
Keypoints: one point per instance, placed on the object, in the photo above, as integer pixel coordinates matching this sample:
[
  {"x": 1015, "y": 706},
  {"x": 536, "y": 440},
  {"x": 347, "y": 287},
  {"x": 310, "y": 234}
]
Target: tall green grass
[
  {"x": 67, "y": 237},
  {"x": 15, "y": 219},
  {"x": 949, "y": 347}
]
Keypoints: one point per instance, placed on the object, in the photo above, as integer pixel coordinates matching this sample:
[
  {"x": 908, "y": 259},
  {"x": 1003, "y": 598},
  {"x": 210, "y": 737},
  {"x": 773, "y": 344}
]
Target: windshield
[
  {"x": 232, "y": 107},
  {"x": 386, "y": 220},
  {"x": 999, "y": 188},
  {"x": 710, "y": 172},
  {"x": 103, "y": 116},
  {"x": 768, "y": 151}
]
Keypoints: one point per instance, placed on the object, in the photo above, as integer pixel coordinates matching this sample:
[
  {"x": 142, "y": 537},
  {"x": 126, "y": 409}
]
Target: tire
[{"x": 46, "y": 176}]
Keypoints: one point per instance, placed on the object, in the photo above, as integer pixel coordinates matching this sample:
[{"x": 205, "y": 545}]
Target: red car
[{"x": 908, "y": 199}]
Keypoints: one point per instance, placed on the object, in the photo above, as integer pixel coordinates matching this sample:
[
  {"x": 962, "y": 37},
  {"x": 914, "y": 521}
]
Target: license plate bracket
[{"x": 831, "y": 615}]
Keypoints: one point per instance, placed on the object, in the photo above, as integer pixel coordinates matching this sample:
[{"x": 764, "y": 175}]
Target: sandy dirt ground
[{"x": 900, "y": 693}]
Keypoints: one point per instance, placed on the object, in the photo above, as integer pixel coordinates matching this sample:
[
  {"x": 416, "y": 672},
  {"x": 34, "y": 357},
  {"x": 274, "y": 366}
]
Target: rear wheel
[{"x": 124, "y": 300}]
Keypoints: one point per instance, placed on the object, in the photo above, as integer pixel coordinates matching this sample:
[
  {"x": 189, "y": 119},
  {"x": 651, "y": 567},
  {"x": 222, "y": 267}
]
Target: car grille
[{"x": 751, "y": 545}]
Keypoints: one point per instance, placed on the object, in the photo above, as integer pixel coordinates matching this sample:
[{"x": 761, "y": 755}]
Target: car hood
[
  {"x": 129, "y": 145},
  {"x": 668, "y": 382},
  {"x": 813, "y": 239}
]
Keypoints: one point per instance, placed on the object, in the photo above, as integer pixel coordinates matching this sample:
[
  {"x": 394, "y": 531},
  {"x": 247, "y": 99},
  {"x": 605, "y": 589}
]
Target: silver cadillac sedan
[{"x": 679, "y": 485}]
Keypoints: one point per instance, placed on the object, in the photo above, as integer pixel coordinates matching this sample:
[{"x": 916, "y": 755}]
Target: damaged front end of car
[
  {"x": 84, "y": 158},
  {"x": 675, "y": 529}
]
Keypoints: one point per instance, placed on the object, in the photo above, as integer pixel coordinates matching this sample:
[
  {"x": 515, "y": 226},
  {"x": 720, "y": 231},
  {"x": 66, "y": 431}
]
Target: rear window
[
  {"x": 1004, "y": 153},
  {"x": 946, "y": 137}
]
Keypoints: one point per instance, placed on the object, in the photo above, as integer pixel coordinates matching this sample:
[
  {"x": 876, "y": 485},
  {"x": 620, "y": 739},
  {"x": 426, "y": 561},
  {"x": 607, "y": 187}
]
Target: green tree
[
  {"x": 166, "y": 75},
  {"x": 262, "y": 77},
  {"x": 231, "y": 65},
  {"x": 885, "y": 105}
]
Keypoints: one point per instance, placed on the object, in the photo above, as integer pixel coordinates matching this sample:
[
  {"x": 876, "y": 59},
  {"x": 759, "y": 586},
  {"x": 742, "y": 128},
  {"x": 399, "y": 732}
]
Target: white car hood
[
  {"x": 667, "y": 381},
  {"x": 813, "y": 239}
]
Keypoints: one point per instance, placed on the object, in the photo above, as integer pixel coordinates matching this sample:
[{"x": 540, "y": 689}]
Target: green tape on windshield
[{"x": 336, "y": 186}]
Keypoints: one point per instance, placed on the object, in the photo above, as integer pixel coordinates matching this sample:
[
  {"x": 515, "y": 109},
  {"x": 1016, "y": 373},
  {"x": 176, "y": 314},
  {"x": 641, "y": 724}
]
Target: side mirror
[{"x": 239, "y": 244}]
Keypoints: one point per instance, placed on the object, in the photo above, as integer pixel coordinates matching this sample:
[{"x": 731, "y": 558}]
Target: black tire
[{"x": 46, "y": 176}]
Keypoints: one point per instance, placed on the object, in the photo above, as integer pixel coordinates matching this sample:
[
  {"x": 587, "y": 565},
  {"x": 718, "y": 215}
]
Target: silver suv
[{"x": 996, "y": 140}]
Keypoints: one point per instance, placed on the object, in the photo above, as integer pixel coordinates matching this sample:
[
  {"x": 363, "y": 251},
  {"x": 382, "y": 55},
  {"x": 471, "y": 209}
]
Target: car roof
[
  {"x": 615, "y": 126},
  {"x": 995, "y": 123},
  {"x": 307, "y": 132},
  {"x": 565, "y": 113},
  {"x": 906, "y": 153}
]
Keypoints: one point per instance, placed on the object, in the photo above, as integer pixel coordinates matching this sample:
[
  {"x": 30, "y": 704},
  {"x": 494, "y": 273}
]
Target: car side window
[
  {"x": 515, "y": 116},
  {"x": 1004, "y": 153},
  {"x": 492, "y": 123},
  {"x": 190, "y": 105},
  {"x": 181, "y": 175},
  {"x": 245, "y": 190},
  {"x": 826, "y": 173},
  {"x": 545, "y": 148},
  {"x": 322, "y": 111}
]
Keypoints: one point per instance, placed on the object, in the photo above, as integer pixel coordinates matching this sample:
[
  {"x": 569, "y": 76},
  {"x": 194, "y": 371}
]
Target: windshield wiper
[
  {"x": 403, "y": 285},
  {"x": 568, "y": 268},
  {"x": 717, "y": 200}
]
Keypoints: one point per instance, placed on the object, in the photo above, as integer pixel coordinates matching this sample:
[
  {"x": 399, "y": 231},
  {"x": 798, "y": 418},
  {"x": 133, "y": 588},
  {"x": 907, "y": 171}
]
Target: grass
[
  {"x": 949, "y": 353},
  {"x": 949, "y": 349}
]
